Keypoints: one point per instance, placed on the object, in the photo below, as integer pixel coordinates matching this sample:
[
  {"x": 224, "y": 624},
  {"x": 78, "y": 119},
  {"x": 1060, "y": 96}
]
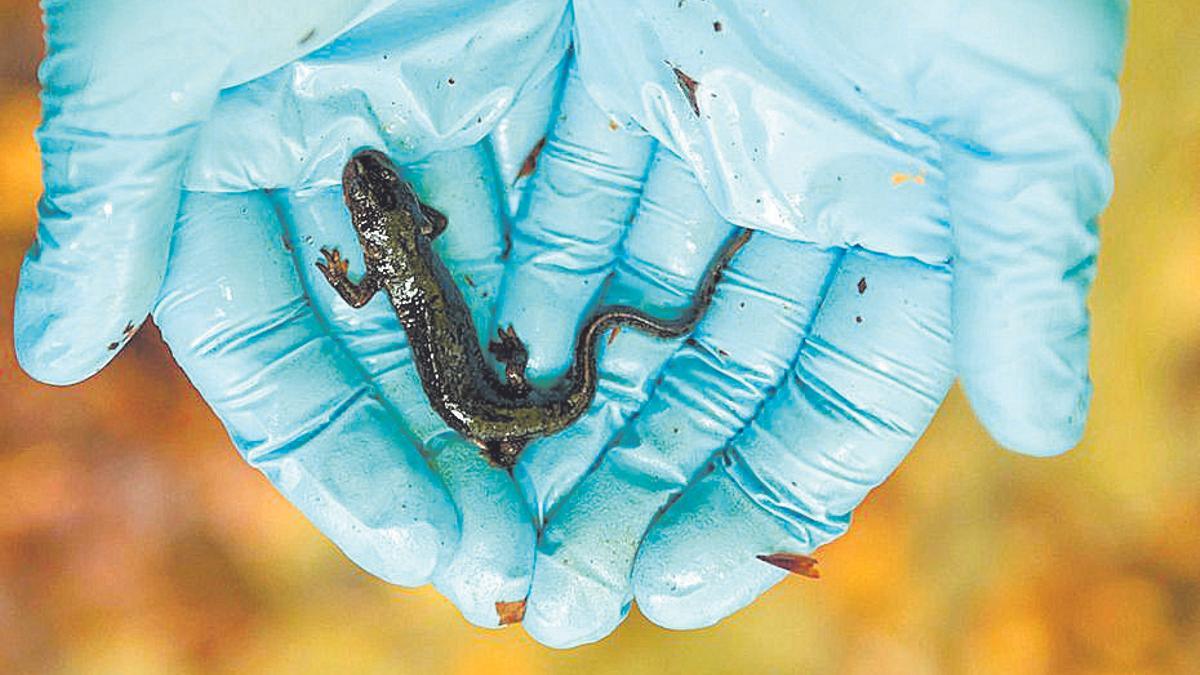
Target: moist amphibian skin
[{"x": 501, "y": 415}]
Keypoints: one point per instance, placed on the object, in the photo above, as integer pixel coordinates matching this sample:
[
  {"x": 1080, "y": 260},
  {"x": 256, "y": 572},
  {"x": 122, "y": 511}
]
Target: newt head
[
  {"x": 383, "y": 206},
  {"x": 370, "y": 182}
]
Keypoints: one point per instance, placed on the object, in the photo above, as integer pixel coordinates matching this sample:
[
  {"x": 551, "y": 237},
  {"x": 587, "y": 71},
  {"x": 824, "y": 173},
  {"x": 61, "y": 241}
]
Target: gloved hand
[
  {"x": 253, "y": 113},
  {"x": 924, "y": 180}
]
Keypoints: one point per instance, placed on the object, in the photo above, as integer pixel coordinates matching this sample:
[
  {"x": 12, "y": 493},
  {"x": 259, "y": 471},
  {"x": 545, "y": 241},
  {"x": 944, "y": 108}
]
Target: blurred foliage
[{"x": 134, "y": 540}]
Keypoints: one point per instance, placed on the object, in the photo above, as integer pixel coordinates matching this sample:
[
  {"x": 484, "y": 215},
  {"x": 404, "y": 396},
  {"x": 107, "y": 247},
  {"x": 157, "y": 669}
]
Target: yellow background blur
[{"x": 133, "y": 539}]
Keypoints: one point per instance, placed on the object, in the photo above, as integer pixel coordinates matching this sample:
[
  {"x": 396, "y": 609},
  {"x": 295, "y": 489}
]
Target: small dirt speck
[
  {"x": 510, "y": 612},
  {"x": 800, "y": 565},
  {"x": 862, "y": 285},
  {"x": 531, "y": 160},
  {"x": 688, "y": 85}
]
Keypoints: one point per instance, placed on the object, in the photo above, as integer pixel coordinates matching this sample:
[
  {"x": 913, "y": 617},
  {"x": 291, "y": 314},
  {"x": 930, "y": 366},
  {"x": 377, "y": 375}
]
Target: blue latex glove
[
  {"x": 924, "y": 179},
  {"x": 253, "y": 113}
]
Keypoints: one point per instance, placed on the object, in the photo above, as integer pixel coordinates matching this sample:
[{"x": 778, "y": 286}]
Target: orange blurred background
[{"x": 134, "y": 540}]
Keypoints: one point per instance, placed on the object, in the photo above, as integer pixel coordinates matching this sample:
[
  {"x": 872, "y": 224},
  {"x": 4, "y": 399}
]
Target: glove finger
[
  {"x": 101, "y": 250},
  {"x": 294, "y": 402},
  {"x": 740, "y": 351},
  {"x": 674, "y": 237},
  {"x": 1026, "y": 244},
  {"x": 494, "y": 561},
  {"x": 583, "y": 194},
  {"x": 867, "y": 381},
  {"x": 121, "y": 105},
  {"x": 111, "y": 180},
  {"x": 519, "y": 136},
  {"x": 1024, "y": 143},
  {"x": 1021, "y": 320}
]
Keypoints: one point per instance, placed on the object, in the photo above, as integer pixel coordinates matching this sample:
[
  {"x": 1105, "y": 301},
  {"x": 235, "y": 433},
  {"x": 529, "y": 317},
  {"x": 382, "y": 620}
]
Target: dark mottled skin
[{"x": 501, "y": 415}]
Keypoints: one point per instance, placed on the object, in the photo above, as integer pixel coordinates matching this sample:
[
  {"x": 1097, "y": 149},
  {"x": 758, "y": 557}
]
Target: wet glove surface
[
  {"x": 193, "y": 170},
  {"x": 925, "y": 181}
]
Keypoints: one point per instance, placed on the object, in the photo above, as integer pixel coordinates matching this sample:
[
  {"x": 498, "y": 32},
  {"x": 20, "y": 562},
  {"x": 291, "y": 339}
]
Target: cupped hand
[
  {"x": 924, "y": 182},
  {"x": 192, "y": 155}
]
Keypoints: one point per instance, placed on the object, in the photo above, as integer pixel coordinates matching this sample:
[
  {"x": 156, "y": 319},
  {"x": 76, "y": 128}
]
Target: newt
[{"x": 499, "y": 414}]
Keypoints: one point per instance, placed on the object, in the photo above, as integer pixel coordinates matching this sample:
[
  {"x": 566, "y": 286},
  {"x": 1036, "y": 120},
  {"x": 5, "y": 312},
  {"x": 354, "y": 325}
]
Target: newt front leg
[{"x": 335, "y": 269}]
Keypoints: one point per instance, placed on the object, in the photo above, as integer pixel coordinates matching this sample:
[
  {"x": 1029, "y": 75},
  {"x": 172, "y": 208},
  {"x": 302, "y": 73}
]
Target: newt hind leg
[
  {"x": 435, "y": 221},
  {"x": 336, "y": 268},
  {"x": 509, "y": 350},
  {"x": 502, "y": 454}
]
